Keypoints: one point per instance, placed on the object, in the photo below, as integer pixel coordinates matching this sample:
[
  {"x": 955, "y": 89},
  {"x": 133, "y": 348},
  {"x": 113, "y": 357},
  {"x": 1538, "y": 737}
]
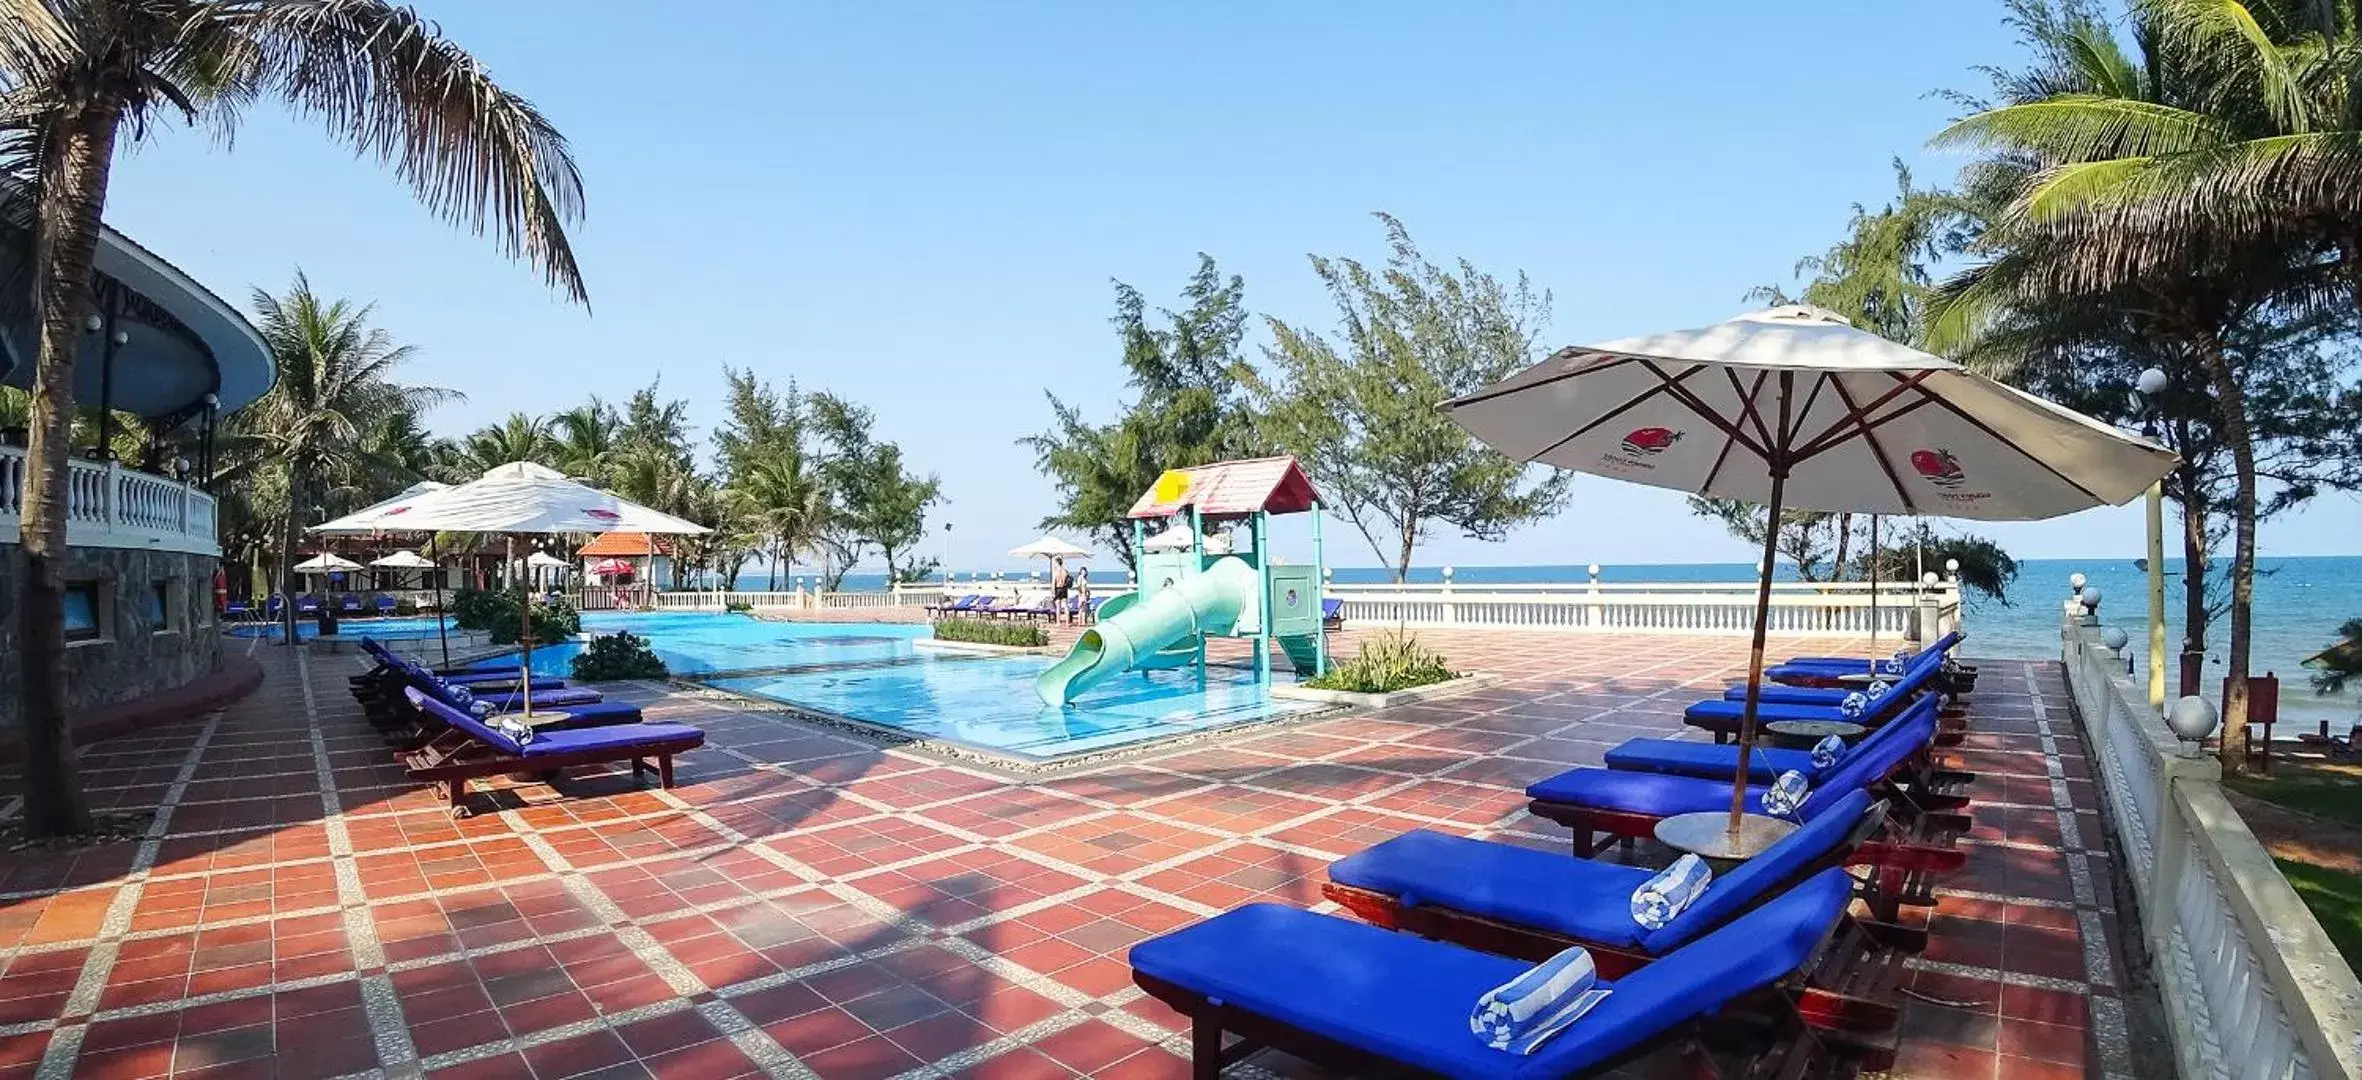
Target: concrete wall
[{"x": 133, "y": 656}]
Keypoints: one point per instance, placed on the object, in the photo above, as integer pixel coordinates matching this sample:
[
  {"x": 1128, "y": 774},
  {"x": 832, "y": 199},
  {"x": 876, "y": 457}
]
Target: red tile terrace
[{"x": 805, "y": 903}]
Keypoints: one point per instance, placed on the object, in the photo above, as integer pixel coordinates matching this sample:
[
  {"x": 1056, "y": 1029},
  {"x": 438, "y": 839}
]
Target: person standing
[
  {"x": 1059, "y": 583},
  {"x": 1081, "y": 612}
]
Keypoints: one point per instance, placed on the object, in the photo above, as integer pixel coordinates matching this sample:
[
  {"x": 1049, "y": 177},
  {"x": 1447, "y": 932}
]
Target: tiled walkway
[{"x": 807, "y": 904}]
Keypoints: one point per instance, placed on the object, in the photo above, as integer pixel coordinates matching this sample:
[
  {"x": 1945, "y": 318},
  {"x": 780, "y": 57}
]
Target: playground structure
[{"x": 1190, "y": 594}]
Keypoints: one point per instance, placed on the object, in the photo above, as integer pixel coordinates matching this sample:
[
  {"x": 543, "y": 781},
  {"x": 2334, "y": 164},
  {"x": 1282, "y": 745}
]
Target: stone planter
[
  {"x": 981, "y": 649},
  {"x": 1470, "y": 681}
]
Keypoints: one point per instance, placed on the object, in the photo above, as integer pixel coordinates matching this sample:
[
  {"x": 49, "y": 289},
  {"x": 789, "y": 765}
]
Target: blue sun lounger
[
  {"x": 1576, "y": 901},
  {"x": 1530, "y": 904},
  {"x": 1629, "y": 804},
  {"x": 1826, "y": 671},
  {"x": 477, "y": 750},
  {"x": 1359, "y": 998},
  {"x": 1723, "y": 717},
  {"x": 955, "y": 607},
  {"x": 1689, "y": 757},
  {"x": 388, "y": 664}
]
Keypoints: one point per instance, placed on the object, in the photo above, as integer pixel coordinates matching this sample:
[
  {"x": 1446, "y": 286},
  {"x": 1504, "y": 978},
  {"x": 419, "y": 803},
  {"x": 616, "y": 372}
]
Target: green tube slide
[{"x": 1132, "y": 637}]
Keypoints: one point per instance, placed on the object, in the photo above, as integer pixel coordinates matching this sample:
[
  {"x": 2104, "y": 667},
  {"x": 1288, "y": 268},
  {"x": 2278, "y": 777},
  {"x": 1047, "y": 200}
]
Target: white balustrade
[
  {"x": 113, "y": 506},
  {"x": 2252, "y": 987}
]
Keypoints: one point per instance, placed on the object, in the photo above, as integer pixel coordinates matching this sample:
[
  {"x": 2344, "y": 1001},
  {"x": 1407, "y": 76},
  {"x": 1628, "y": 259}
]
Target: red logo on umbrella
[
  {"x": 1650, "y": 441},
  {"x": 1939, "y": 467},
  {"x": 604, "y": 515}
]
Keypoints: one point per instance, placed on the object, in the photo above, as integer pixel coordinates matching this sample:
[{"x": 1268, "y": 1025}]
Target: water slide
[{"x": 1134, "y": 636}]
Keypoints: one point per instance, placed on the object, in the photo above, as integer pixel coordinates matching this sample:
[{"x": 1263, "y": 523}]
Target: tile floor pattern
[{"x": 805, "y": 904}]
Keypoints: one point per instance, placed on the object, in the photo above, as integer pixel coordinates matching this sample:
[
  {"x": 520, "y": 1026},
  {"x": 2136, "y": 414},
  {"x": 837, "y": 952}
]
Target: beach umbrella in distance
[
  {"x": 1794, "y": 408},
  {"x": 522, "y": 497},
  {"x": 326, "y": 563},
  {"x": 411, "y": 560},
  {"x": 404, "y": 560},
  {"x": 1049, "y": 547}
]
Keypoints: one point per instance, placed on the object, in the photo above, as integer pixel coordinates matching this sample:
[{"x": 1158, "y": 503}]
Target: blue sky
[{"x": 921, "y": 206}]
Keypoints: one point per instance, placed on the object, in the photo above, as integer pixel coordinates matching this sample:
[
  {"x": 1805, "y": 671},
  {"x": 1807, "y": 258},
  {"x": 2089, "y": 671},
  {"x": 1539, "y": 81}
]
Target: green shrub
[
  {"x": 1391, "y": 661},
  {"x": 620, "y": 655},
  {"x": 405, "y": 607},
  {"x": 498, "y": 613},
  {"x": 991, "y": 632},
  {"x": 739, "y": 606}
]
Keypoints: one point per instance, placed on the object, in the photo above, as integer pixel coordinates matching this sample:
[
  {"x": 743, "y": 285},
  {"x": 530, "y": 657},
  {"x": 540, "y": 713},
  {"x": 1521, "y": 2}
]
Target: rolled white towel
[
  {"x": 1825, "y": 751},
  {"x": 1523, "y": 1013},
  {"x": 1853, "y": 705},
  {"x": 1786, "y": 794},
  {"x": 1664, "y": 896}
]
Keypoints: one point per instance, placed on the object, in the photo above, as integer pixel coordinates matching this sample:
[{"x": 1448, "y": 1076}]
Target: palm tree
[
  {"x": 518, "y": 438},
  {"x": 783, "y": 496},
  {"x": 585, "y": 440},
  {"x": 78, "y": 75},
  {"x": 335, "y": 384},
  {"x": 2192, "y": 184}
]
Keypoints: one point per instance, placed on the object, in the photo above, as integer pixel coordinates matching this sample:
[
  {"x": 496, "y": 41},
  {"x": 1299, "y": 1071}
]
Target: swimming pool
[
  {"x": 404, "y": 628},
  {"x": 871, "y": 672}
]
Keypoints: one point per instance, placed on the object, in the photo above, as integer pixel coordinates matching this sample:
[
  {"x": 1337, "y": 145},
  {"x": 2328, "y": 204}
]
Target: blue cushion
[
  {"x": 548, "y": 742},
  {"x": 1687, "y": 757},
  {"x": 1653, "y": 794},
  {"x": 1844, "y": 664},
  {"x": 1586, "y": 900},
  {"x": 610, "y": 737},
  {"x": 1775, "y": 694},
  {"x": 595, "y": 714},
  {"x": 1407, "y": 998}
]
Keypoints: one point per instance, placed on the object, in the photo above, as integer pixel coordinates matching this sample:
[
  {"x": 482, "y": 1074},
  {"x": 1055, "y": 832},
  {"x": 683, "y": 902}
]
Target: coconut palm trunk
[{"x": 72, "y": 202}]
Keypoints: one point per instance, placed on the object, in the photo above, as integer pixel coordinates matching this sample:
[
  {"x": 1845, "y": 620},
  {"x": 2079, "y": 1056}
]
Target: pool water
[
  {"x": 871, "y": 672},
  {"x": 697, "y": 644},
  {"x": 394, "y": 629}
]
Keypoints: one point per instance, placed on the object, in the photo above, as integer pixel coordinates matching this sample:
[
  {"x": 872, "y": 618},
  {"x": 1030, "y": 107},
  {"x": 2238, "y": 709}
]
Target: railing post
[{"x": 1451, "y": 611}]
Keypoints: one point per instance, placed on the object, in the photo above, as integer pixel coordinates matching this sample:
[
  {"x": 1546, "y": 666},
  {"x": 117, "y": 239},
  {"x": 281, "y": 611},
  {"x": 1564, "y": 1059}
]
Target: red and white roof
[{"x": 1231, "y": 489}]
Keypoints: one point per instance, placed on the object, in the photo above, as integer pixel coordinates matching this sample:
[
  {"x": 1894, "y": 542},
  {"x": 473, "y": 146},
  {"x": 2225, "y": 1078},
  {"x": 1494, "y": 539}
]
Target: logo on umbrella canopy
[
  {"x": 603, "y": 515},
  {"x": 1650, "y": 441},
  {"x": 1939, "y": 467}
]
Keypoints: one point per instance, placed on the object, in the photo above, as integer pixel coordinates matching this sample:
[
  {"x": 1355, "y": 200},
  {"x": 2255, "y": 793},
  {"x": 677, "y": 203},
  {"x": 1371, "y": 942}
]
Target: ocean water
[{"x": 2299, "y": 604}]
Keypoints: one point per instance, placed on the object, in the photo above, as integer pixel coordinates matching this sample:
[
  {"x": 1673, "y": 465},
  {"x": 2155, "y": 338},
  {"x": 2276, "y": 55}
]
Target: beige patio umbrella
[
  {"x": 1794, "y": 408},
  {"x": 521, "y": 497}
]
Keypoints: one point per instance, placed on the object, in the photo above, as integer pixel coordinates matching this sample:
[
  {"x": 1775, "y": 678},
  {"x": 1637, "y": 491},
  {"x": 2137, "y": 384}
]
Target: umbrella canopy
[
  {"x": 519, "y": 497},
  {"x": 545, "y": 560},
  {"x": 1049, "y": 547},
  {"x": 382, "y": 516},
  {"x": 1794, "y": 408},
  {"x": 1178, "y": 537},
  {"x": 1852, "y": 422},
  {"x": 610, "y": 567},
  {"x": 326, "y": 563},
  {"x": 404, "y": 560}
]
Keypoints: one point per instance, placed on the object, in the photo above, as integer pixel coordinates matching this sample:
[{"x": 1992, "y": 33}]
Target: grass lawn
[
  {"x": 2329, "y": 791},
  {"x": 2336, "y": 900}
]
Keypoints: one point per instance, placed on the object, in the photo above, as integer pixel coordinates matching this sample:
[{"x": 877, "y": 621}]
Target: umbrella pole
[
  {"x": 442, "y": 630},
  {"x": 525, "y": 635},
  {"x": 1873, "y": 586},
  {"x": 1763, "y": 584}
]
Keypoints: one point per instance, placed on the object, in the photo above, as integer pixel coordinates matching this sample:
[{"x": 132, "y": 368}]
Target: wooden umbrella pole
[
  {"x": 524, "y": 634},
  {"x": 1874, "y": 553},
  {"x": 1763, "y": 584},
  {"x": 1778, "y": 458}
]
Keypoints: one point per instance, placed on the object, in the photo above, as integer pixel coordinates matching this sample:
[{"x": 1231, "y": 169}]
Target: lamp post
[
  {"x": 205, "y": 441},
  {"x": 2147, "y": 387},
  {"x": 947, "y": 560}
]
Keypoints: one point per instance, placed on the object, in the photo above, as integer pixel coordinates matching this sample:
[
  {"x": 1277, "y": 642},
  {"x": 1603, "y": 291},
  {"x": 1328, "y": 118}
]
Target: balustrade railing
[
  {"x": 112, "y": 505},
  {"x": 1832, "y": 609},
  {"x": 2252, "y": 986}
]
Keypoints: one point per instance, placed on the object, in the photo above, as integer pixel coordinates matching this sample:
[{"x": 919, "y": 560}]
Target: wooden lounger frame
[{"x": 451, "y": 771}]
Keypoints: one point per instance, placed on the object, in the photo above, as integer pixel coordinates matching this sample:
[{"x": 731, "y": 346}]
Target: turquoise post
[
  {"x": 1320, "y": 597},
  {"x": 1197, "y": 548},
  {"x": 1261, "y": 531}
]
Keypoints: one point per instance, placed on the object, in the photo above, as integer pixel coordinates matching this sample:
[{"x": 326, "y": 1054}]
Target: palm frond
[
  {"x": 2081, "y": 127},
  {"x": 2226, "y": 32},
  {"x": 386, "y": 80}
]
